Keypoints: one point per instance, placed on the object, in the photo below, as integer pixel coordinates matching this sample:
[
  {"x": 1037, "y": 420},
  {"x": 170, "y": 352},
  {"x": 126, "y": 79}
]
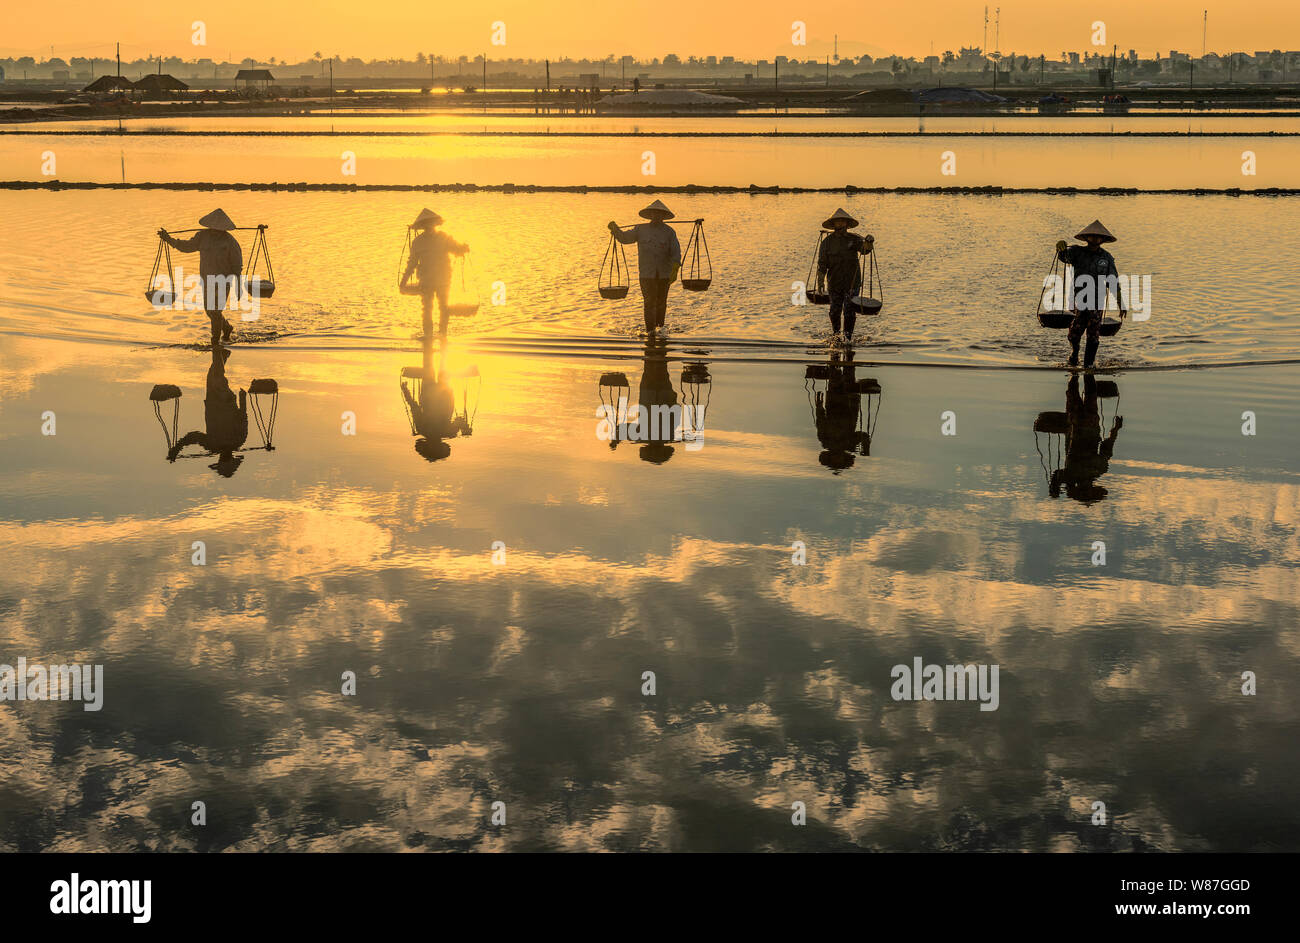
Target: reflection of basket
[
  {"x": 1055, "y": 423},
  {"x": 1055, "y": 319},
  {"x": 613, "y": 292},
  {"x": 1109, "y": 327},
  {"x": 696, "y": 284},
  {"x": 1107, "y": 389},
  {"x": 817, "y": 371}
]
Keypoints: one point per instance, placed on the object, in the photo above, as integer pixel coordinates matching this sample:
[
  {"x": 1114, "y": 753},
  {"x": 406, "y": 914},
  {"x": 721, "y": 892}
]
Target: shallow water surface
[
  {"x": 519, "y": 679},
  {"x": 961, "y": 274}
]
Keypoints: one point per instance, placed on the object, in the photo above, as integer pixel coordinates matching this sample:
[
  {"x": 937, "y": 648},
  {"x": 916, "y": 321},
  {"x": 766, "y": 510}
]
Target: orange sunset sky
[{"x": 578, "y": 28}]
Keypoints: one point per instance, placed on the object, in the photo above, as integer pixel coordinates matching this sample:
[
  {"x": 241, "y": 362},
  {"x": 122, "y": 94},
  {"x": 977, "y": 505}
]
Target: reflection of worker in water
[
  {"x": 221, "y": 265},
  {"x": 659, "y": 257},
  {"x": 1087, "y": 455},
  {"x": 432, "y": 407},
  {"x": 225, "y": 418},
  {"x": 836, "y": 414},
  {"x": 430, "y": 261},
  {"x": 838, "y": 269},
  {"x": 662, "y": 415},
  {"x": 1094, "y": 268}
]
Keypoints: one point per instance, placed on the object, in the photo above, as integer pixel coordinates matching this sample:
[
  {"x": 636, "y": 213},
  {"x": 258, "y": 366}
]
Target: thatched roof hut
[
  {"x": 109, "y": 83},
  {"x": 159, "y": 85}
]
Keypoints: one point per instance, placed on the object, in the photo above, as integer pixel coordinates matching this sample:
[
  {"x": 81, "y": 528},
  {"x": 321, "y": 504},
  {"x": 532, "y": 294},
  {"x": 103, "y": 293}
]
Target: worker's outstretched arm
[
  {"x": 184, "y": 245},
  {"x": 625, "y": 236}
]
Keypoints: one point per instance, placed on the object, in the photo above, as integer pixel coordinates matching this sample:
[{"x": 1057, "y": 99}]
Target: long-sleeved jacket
[
  {"x": 838, "y": 259},
  {"x": 219, "y": 252},
  {"x": 431, "y": 253},
  {"x": 659, "y": 254},
  {"x": 1096, "y": 264}
]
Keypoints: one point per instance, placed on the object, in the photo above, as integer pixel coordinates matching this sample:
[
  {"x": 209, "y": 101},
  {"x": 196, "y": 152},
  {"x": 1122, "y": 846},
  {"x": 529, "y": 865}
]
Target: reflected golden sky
[{"x": 481, "y": 682}]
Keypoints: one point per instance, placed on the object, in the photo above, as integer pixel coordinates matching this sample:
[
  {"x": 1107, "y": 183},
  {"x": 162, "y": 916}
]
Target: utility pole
[
  {"x": 997, "y": 31},
  {"x": 485, "y": 71},
  {"x": 776, "y": 75},
  {"x": 828, "y": 71},
  {"x": 331, "y": 85},
  {"x": 1205, "y": 22},
  {"x": 119, "y": 60},
  {"x": 984, "y": 44}
]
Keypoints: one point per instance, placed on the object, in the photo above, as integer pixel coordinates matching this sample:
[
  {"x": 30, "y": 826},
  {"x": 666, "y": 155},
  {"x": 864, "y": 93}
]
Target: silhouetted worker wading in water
[
  {"x": 838, "y": 269},
  {"x": 430, "y": 261},
  {"x": 221, "y": 266},
  {"x": 1096, "y": 267},
  {"x": 659, "y": 257}
]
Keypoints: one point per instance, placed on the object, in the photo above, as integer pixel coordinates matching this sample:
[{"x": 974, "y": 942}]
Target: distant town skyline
[{"x": 241, "y": 29}]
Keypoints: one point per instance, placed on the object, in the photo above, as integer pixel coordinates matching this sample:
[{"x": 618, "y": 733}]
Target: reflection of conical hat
[
  {"x": 217, "y": 219},
  {"x": 839, "y": 214},
  {"x": 657, "y": 208},
  {"x": 427, "y": 217},
  {"x": 1095, "y": 228}
]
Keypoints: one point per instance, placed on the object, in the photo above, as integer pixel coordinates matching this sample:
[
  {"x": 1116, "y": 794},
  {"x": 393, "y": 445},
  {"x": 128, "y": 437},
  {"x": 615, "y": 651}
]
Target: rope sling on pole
[
  {"x": 810, "y": 285},
  {"x": 164, "y": 295},
  {"x": 258, "y": 286},
  {"x": 613, "y": 282},
  {"x": 1055, "y": 319},
  {"x": 869, "y": 276},
  {"x": 697, "y": 269},
  {"x": 462, "y": 305}
]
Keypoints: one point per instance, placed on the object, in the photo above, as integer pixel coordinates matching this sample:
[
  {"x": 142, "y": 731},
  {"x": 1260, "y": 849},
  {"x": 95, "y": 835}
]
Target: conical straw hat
[
  {"x": 427, "y": 217},
  {"x": 839, "y": 214},
  {"x": 217, "y": 219},
  {"x": 1095, "y": 228},
  {"x": 657, "y": 208}
]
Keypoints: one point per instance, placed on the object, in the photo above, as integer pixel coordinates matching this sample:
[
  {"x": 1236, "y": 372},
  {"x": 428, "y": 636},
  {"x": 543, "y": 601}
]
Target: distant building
[
  {"x": 159, "y": 86},
  {"x": 254, "y": 79}
]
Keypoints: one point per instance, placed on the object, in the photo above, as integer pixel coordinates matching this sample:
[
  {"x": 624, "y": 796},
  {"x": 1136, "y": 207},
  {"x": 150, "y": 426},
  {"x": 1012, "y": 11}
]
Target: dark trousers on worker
[
  {"x": 1088, "y": 322},
  {"x": 654, "y": 297},
  {"x": 840, "y": 298}
]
